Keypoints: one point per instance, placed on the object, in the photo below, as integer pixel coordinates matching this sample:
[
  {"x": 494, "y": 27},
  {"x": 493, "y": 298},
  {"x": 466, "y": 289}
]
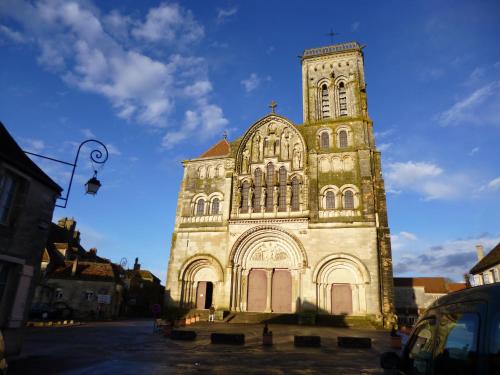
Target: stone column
[
  {"x": 269, "y": 274},
  {"x": 328, "y": 306},
  {"x": 295, "y": 289},
  {"x": 243, "y": 290}
]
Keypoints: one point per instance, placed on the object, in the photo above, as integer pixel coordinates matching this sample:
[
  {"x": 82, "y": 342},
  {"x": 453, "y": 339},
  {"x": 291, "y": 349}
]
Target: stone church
[{"x": 290, "y": 217}]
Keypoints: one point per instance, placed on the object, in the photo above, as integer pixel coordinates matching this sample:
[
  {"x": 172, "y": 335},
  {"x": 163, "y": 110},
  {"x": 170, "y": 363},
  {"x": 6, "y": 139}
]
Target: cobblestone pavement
[{"x": 132, "y": 347}]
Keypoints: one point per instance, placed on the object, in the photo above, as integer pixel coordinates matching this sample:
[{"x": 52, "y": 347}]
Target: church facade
[{"x": 289, "y": 217}]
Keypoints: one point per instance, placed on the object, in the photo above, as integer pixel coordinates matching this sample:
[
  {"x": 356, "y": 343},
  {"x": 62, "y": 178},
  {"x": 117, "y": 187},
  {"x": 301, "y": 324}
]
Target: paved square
[{"x": 131, "y": 347}]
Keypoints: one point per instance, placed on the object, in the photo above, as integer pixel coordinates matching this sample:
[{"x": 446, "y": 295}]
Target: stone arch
[
  {"x": 200, "y": 268},
  {"x": 265, "y": 233},
  {"x": 345, "y": 271}
]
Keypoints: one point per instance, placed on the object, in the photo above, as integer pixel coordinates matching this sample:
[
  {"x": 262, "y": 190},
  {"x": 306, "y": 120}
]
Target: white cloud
[
  {"x": 253, "y": 82},
  {"x": 384, "y": 146},
  {"x": 491, "y": 185},
  {"x": 402, "y": 239},
  {"x": 474, "y": 151},
  {"x": 32, "y": 145},
  {"x": 169, "y": 23},
  {"x": 222, "y": 14},
  {"x": 480, "y": 107},
  {"x": 98, "y": 53},
  {"x": 426, "y": 179},
  {"x": 12, "y": 35},
  {"x": 88, "y": 133},
  {"x": 113, "y": 150},
  {"x": 355, "y": 26}
]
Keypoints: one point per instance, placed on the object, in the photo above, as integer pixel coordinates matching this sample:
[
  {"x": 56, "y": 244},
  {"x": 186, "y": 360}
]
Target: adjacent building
[
  {"x": 487, "y": 268},
  {"x": 27, "y": 200},
  {"x": 412, "y": 295},
  {"x": 290, "y": 217}
]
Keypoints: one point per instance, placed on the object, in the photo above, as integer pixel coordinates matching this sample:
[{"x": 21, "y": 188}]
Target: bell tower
[{"x": 333, "y": 83}]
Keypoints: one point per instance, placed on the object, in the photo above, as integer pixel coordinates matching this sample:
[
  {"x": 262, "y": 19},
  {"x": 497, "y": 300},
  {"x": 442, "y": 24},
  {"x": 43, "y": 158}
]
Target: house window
[
  {"x": 89, "y": 295},
  {"x": 330, "y": 200},
  {"x": 295, "y": 194},
  {"x": 7, "y": 190},
  {"x": 258, "y": 190},
  {"x": 348, "y": 200},
  {"x": 343, "y": 139},
  {"x": 282, "y": 183},
  {"x": 244, "y": 197},
  {"x": 215, "y": 206},
  {"x": 325, "y": 102},
  {"x": 59, "y": 294},
  {"x": 324, "y": 140},
  {"x": 270, "y": 188},
  {"x": 200, "y": 208},
  {"x": 342, "y": 99},
  {"x": 486, "y": 278}
]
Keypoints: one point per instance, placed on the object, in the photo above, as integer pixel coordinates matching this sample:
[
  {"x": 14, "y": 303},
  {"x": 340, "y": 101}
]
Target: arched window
[
  {"x": 342, "y": 99},
  {"x": 270, "y": 188},
  {"x": 215, "y": 206},
  {"x": 282, "y": 196},
  {"x": 343, "y": 139},
  {"x": 295, "y": 194},
  {"x": 330, "y": 200},
  {"x": 325, "y": 102},
  {"x": 324, "y": 140},
  {"x": 244, "y": 196},
  {"x": 200, "y": 208},
  {"x": 258, "y": 190},
  {"x": 348, "y": 200}
]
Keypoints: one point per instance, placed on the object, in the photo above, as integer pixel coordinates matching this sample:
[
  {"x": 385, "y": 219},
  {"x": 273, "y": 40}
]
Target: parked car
[
  {"x": 458, "y": 334},
  {"x": 3, "y": 361}
]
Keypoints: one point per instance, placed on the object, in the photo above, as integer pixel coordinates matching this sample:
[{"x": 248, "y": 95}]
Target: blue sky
[{"x": 159, "y": 82}]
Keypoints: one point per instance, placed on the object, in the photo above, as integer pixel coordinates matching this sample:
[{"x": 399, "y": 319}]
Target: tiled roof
[
  {"x": 490, "y": 260},
  {"x": 221, "y": 148},
  {"x": 430, "y": 284},
  {"x": 13, "y": 154},
  {"x": 454, "y": 287},
  {"x": 84, "y": 271}
]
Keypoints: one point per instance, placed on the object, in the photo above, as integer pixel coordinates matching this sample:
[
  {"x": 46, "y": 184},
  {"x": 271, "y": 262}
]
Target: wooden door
[
  {"x": 257, "y": 290},
  {"x": 341, "y": 299},
  {"x": 201, "y": 295},
  {"x": 282, "y": 291}
]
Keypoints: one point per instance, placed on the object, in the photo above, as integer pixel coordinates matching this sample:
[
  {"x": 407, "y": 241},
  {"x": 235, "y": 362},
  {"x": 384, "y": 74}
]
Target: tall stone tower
[{"x": 290, "y": 217}]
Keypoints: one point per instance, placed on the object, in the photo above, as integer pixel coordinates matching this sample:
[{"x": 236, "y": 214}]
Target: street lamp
[{"x": 96, "y": 156}]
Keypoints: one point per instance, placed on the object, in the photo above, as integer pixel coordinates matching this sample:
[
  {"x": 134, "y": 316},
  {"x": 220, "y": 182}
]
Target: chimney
[
  {"x": 467, "y": 280},
  {"x": 480, "y": 252},
  {"x": 73, "y": 269},
  {"x": 137, "y": 266},
  {"x": 93, "y": 251}
]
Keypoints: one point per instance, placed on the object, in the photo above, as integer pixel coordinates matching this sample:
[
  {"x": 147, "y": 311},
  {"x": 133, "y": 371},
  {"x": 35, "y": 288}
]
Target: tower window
[
  {"x": 258, "y": 190},
  {"x": 324, "y": 140},
  {"x": 330, "y": 200},
  {"x": 270, "y": 188},
  {"x": 348, "y": 200},
  {"x": 325, "y": 102},
  {"x": 295, "y": 194},
  {"x": 342, "y": 99},
  {"x": 215, "y": 206},
  {"x": 343, "y": 139},
  {"x": 244, "y": 197},
  {"x": 200, "y": 207},
  {"x": 282, "y": 183}
]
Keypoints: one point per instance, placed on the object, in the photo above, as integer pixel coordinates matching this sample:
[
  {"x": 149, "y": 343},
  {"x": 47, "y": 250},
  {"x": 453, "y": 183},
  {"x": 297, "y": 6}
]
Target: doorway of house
[
  {"x": 341, "y": 299},
  {"x": 204, "y": 295}
]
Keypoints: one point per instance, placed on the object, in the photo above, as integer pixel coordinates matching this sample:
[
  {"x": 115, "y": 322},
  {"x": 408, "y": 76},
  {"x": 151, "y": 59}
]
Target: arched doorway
[
  {"x": 341, "y": 281},
  {"x": 267, "y": 265},
  {"x": 201, "y": 280}
]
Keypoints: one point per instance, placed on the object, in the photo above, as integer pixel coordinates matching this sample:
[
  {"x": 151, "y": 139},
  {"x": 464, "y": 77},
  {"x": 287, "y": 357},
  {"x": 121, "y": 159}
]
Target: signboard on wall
[{"x": 104, "y": 298}]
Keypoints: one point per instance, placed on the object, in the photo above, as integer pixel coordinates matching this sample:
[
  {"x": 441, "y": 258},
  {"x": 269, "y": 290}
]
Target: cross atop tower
[
  {"x": 273, "y": 106},
  {"x": 331, "y": 34}
]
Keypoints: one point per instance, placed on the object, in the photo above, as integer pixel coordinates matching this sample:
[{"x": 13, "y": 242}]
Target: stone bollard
[{"x": 267, "y": 339}]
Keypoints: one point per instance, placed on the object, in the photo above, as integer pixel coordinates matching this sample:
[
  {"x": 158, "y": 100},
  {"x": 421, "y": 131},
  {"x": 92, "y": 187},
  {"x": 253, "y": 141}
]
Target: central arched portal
[{"x": 267, "y": 265}]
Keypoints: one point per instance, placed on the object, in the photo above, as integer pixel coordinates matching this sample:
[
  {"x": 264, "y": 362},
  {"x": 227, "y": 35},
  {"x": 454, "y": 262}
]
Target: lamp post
[{"x": 93, "y": 184}]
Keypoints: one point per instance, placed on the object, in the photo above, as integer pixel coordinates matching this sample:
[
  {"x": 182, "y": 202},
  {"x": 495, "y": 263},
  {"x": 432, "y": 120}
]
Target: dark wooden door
[
  {"x": 201, "y": 295},
  {"x": 257, "y": 290},
  {"x": 341, "y": 299},
  {"x": 282, "y": 291}
]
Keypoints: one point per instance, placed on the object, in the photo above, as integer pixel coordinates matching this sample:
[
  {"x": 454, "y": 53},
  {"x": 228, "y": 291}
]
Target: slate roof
[
  {"x": 14, "y": 155},
  {"x": 430, "y": 284},
  {"x": 490, "y": 260},
  {"x": 221, "y": 148},
  {"x": 84, "y": 271}
]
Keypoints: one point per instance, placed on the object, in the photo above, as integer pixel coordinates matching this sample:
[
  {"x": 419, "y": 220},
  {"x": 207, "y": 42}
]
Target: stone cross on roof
[{"x": 273, "y": 106}]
